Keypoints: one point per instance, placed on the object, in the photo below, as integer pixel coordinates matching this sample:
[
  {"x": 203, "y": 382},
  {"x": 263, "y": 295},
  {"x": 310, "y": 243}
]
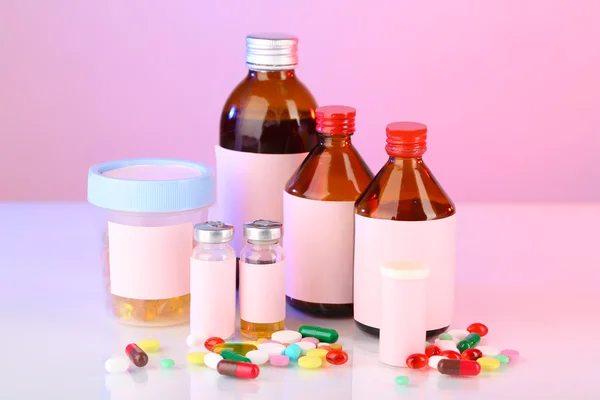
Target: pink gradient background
[{"x": 510, "y": 89}]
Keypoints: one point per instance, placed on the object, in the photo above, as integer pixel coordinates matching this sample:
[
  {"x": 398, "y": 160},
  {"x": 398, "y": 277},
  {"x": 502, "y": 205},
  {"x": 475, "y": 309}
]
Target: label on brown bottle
[
  {"x": 430, "y": 242},
  {"x": 319, "y": 249},
  {"x": 250, "y": 187}
]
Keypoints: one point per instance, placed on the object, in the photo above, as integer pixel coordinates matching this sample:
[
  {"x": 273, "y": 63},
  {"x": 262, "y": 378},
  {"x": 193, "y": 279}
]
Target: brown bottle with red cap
[
  {"x": 405, "y": 215},
  {"x": 318, "y": 214}
]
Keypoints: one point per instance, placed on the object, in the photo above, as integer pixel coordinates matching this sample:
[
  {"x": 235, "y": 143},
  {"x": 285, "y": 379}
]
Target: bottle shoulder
[
  {"x": 331, "y": 174},
  {"x": 405, "y": 192},
  {"x": 262, "y": 254}
]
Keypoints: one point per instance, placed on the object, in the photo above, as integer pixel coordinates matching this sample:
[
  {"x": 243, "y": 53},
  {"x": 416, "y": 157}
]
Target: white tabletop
[{"x": 528, "y": 271}]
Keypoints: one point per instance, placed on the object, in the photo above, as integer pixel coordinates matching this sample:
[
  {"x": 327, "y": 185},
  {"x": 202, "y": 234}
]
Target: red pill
[
  {"x": 479, "y": 328},
  {"x": 336, "y": 357},
  {"x": 451, "y": 354},
  {"x": 212, "y": 342},
  {"x": 137, "y": 356},
  {"x": 459, "y": 367},
  {"x": 238, "y": 369},
  {"x": 432, "y": 350},
  {"x": 417, "y": 361},
  {"x": 471, "y": 354}
]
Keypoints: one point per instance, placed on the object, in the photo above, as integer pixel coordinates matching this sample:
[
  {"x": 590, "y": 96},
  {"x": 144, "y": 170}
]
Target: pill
[
  {"x": 513, "y": 355},
  {"x": 310, "y": 362},
  {"x": 469, "y": 342},
  {"x": 447, "y": 345},
  {"x": 257, "y": 357},
  {"x": 488, "y": 351},
  {"x": 272, "y": 349},
  {"x": 194, "y": 341},
  {"x": 323, "y": 334},
  {"x": 313, "y": 340},
  {"x": 116, "y": 364},
  {"x": 471, "y": 354},
  {"x": 336, "y": 346},
  {"x": 149, "y": 345},
  {"x": 137, "y": 356},
  {"x": 336, "y": 357},
  {"x": 445, "y": 336},
  {"x": 238, "y": 369},
  {"x": 478, "y": 328},
  {"x": 432, "y": 350},
  {"x": 434, "y": 360},
  {"x": 459, "y": 367},
  {"x": 401, "y": 380},
  {"x": 293, "y": 351},
  {"x": 196, "y": 357},
  {"x": 240, "y": 348},
  {"x": 427, "y": 344},
  {"x": 270, "y": 341},
  {"x": 502, "y": 358},
  {"x": 305, "y": 346},
  {"x": 232, "y": 355},
  {"x": 212, "y": 359},
  {"x": 416, "y": 361},
  {"x": 317, "y": 353},
  {"x": 488, "y": 362},
  {"x": 458, "y": 334},
  {"x": 211, "y": 342},
  {"x": 167, "y": 363},
  {"x": 451, "y": 354},
  {"x": 279, "y": 360},
  {"x": 286, "y": 336},
  {"x": 328, "y": 348}
]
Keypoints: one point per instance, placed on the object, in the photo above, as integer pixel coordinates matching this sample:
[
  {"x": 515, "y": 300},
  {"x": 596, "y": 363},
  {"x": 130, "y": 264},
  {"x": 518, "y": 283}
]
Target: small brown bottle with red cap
[
  {"x": 404, "y": 215},
  {"x": 318, "y": 213}
]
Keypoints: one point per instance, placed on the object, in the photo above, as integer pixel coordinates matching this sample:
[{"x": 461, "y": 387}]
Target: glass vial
[
  {"x": 262, "y": 280},
  {"x": 267, "y": 129},
  {"x": 324, "y": 188},
  {"x": 212, "y": 281},
  {"x": 404, "y": 214}
]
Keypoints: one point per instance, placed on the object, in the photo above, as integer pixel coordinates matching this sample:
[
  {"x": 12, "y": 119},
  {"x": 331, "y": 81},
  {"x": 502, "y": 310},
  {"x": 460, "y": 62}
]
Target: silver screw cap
[
  {"x": 271, "y": 51},
  {"x": 213, "y": 232},
  {"x": 263, "y": 230}
]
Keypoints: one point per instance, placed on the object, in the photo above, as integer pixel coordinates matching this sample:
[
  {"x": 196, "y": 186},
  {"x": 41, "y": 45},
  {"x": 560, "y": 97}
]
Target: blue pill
[{"x": 293, "y": 351}]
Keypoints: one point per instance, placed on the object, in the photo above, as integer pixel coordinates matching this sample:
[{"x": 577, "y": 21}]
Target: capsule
[
  {"x": 471, "y": 354},
  {"x": 323, "y": 334},
  {"x": 238, "y": 369},
  {"x": 459, "y": 367},
  {"x": 240, "y": 348},
  {"x": 336, "y": 357},
  {"x": 451, "y": 354},
  {"x": 137, "y": 356},
  {"x": 417, "y": 361},
  {"x": 212, "y": 342},
  {"x": 478, "y": 328},
  {"x": 232, "y": 355},
  {"x": 469, "y": 342},
  {"x": 432, "y": 350}
]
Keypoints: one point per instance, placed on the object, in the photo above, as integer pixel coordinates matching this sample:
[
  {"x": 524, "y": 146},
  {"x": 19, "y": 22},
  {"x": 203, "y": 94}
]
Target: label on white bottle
[
  {"x": 430, "y": 242},
  {"x": 250, "y": 186},
  {"x": 212, "y": 289},
  {"x": 262, "y": 292},
  {"x": 150, "y": 262},
  {"x": 319, "y": 249}
]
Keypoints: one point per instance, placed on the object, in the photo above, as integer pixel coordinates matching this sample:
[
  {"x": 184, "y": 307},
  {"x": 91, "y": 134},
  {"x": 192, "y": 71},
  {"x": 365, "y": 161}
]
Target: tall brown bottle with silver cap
[{"x": 267, "y": 129}]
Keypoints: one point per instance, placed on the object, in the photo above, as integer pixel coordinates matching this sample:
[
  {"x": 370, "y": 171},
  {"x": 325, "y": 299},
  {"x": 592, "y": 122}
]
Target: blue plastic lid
[{"x": 151, "y": 185}]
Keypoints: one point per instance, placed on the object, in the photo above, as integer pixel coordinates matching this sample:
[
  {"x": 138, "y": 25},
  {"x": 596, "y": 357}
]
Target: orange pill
[{"x": 336, "y": 346}]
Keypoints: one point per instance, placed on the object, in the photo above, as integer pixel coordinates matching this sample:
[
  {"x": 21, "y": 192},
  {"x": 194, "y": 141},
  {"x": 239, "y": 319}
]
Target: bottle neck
[
  {"x": 404, "y": 149},
  {"x": 272, "y": 75},
  {"x": 335, "y": 140},
  {"x": 406, "y": 162},
  {"x": 263, "y": 242}
]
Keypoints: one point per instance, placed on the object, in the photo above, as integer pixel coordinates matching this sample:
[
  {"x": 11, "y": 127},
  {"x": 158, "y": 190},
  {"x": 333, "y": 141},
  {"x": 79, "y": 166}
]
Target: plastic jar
[{"x": 151, "y": 206}]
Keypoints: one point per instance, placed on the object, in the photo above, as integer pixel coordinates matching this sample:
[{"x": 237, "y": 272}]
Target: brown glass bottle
[
  {"x": 267, "y": 128},
  {"x": 406, "y": 191},
  {"x": 319, "y": 218}
]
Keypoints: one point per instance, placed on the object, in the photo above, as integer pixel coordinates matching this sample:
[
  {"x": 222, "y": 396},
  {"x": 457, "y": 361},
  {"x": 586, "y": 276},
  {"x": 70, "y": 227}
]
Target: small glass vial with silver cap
[
  {"x": 262, "y": 280},
  {"x": 212, "y": 281}
]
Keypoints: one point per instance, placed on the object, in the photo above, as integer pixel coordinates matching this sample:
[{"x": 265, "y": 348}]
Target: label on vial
[
  {"x": 319, "y": 249},
  {"x": 150, "y": 263},
  {"x": 212, "y": 289},
  {"x": 431, "y": 242},
  {"x": 250, "y": 186},
  {"x": 262, "y": 292}
]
